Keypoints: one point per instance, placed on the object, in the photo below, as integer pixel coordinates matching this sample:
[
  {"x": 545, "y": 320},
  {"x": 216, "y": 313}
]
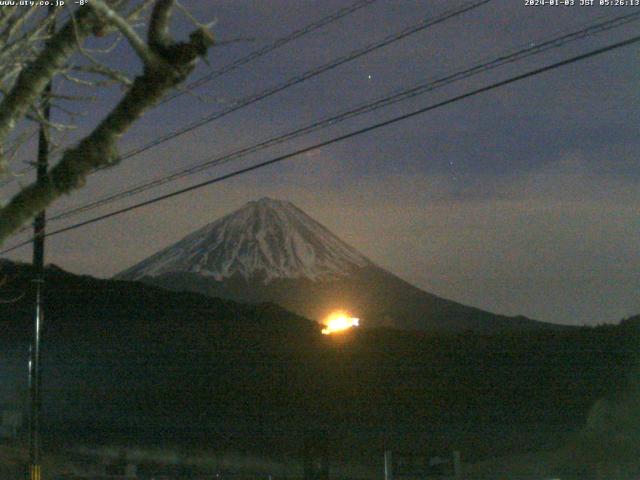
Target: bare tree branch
[
  {"x": 104, "y": 71},
  {"x": 140, "y": 47},
  {"x": 172, "y": 63},
  {"x": 33, "y": 78},
  {"x": 159, "y": 37},
  {"x": 134, "y": 14}
]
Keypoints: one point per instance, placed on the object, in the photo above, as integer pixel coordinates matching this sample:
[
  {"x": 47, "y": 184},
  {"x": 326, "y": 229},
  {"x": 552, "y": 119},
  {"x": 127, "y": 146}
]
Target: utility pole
[{"x": 38, "y": 268}]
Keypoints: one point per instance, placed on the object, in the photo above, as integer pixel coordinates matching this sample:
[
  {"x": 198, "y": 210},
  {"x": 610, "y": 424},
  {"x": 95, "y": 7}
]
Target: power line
[
  {"x": 346, "y": 136},
  {"x": 242, "y": 103},
  {"x": 278, "y": 43},
  {"x": 398, "y": 96}
]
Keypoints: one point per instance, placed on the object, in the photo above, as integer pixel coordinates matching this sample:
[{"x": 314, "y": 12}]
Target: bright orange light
[{"x": 338, "y": 322}]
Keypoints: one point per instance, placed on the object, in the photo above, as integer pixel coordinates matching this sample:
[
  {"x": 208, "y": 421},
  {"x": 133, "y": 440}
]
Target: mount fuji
[
  {"x": 271, "y": 251},
  {"x": 263, "y": 241}
]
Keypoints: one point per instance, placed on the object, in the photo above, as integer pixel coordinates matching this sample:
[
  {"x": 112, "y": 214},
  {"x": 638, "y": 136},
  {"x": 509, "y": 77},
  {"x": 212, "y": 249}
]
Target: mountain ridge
[
  {"x": 271, "y": 251},
  {"x": 128, "y": 362},
  {"x": 265, "y": 239}
]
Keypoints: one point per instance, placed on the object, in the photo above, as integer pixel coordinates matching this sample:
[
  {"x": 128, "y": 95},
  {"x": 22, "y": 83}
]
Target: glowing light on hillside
[{"x": 339, "y": 322}]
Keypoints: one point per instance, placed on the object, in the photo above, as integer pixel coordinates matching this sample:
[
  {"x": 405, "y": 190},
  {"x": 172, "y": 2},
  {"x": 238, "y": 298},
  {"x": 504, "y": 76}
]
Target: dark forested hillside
[
  {"x": 271, "y": 251},
  {"x": 127, "y": 361}
]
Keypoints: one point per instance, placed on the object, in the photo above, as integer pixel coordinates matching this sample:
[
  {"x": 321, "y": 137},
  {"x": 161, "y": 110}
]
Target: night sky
[{"x": 523, "y": 200}]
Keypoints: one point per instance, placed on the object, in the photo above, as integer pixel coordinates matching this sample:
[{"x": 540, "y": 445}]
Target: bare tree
[{"x": 31, "y": 55}]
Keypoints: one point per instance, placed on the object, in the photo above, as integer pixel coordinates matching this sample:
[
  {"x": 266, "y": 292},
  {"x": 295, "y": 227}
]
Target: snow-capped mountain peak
[{"x": 264, "y": 240}]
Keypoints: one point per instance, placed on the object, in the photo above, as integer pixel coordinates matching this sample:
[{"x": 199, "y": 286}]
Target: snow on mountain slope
[{"x": 264, "y": 240}]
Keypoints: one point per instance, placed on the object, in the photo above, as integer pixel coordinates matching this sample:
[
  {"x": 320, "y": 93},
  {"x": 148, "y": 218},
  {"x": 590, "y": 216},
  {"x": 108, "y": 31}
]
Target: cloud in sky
[
  {"x": 521, "y": 201},
  {"x": 556, "y": 244}
]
